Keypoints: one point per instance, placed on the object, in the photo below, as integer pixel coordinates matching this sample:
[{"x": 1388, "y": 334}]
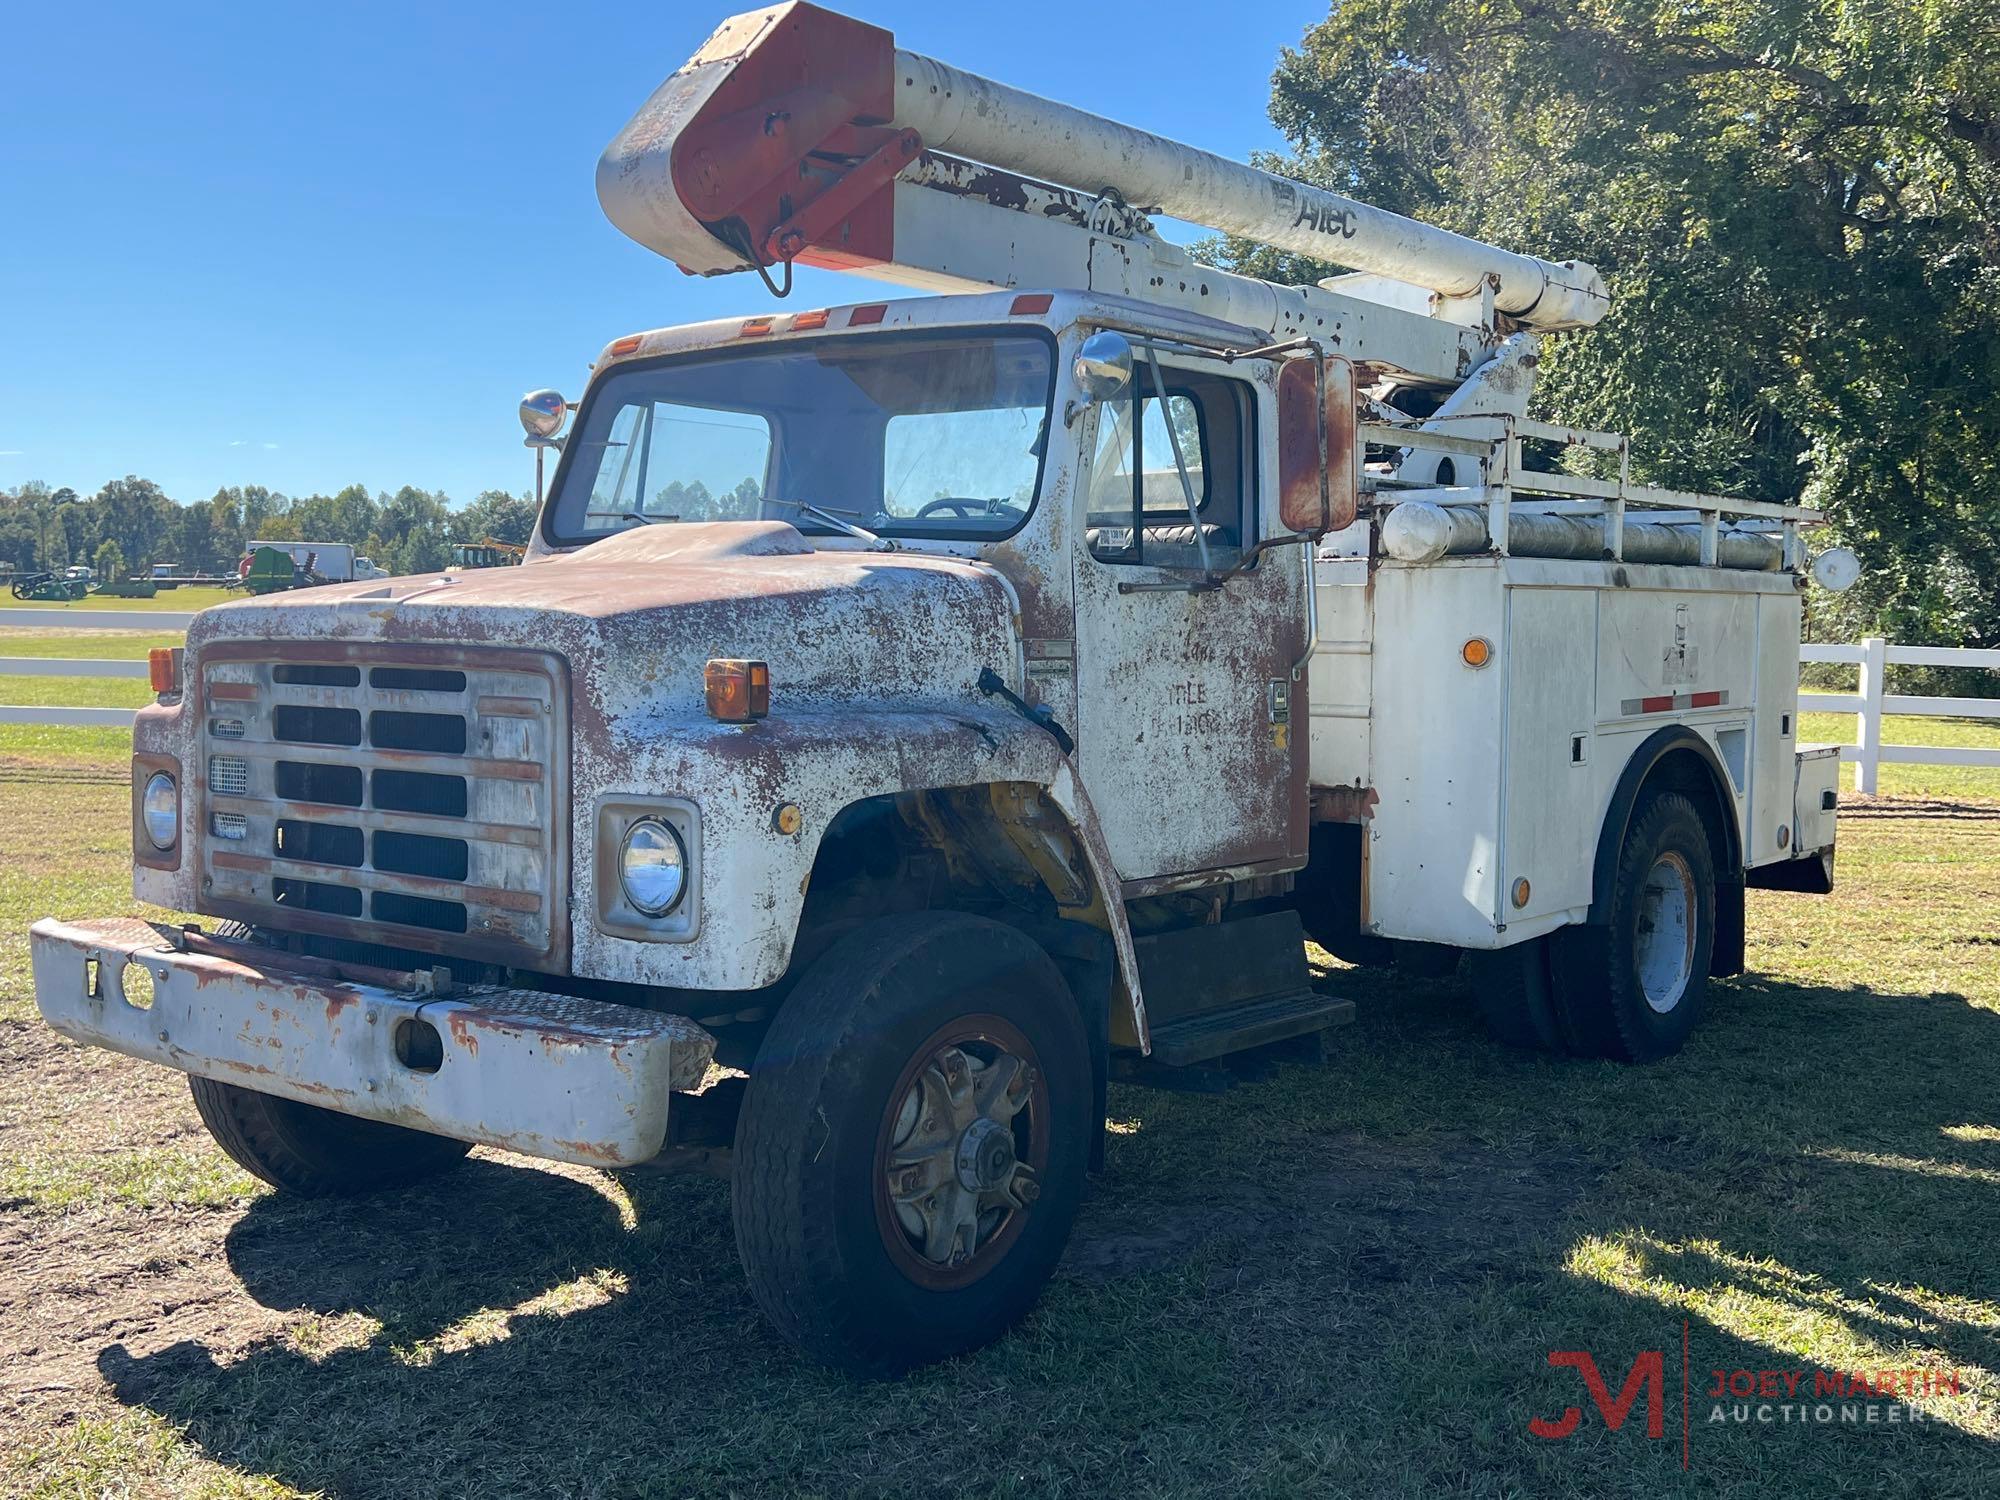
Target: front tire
[
  {"x": 1634, "y": 988},
  {"x": 912, "y": 1145},
  {"x": 316, "y": 1153}
]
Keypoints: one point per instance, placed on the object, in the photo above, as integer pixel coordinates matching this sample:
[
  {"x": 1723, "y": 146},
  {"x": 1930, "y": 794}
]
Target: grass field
[{"x": 1341, "y": 1277}]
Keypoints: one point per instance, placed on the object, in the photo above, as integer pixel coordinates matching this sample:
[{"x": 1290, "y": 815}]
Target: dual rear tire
[{"x": 1633, "y": 987}]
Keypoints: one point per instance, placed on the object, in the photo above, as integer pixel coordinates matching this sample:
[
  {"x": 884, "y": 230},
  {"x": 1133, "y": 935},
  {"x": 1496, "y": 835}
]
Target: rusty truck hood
[{"x": 636, "y": 615}]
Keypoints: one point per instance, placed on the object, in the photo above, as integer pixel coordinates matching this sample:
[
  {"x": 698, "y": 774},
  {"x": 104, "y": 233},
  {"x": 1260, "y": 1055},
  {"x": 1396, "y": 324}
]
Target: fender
[
  {"x": 753, "y": 878},
  {"x": 1625, "y": 797}
]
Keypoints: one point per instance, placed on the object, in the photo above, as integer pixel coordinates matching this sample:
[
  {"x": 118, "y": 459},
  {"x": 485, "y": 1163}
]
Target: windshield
[{"x": 902, "y": 434}]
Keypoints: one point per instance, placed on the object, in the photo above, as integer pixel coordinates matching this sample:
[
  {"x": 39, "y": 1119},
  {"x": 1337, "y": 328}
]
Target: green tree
[
  {"x": 496, "y": 514},
  {"x": 109, "y": 561},
  {"x": 1796, "y": 205}
]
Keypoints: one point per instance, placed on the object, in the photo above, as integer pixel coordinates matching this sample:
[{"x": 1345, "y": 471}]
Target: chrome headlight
[
  {"x": 652, "y": 867},
  {"x": 160, "y": 810}
]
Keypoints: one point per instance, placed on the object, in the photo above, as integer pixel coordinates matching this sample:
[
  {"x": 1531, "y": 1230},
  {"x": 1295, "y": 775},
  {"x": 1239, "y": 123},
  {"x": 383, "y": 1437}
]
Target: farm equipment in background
[
  {"x": 47, "y": 588},
  {"x": 490, "y": 552},
  {"x": 271, "y": 570},
  {"x": 126, "y": 588}
]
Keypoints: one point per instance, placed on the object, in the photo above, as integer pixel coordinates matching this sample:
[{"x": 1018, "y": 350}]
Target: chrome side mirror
[
  {"x": 1103, "y": 366},
  {"x": 542, "y": 416}
]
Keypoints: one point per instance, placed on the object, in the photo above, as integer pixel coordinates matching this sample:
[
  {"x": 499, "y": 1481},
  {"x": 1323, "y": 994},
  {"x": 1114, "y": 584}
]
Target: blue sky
[{"x": 312, "y": 245}]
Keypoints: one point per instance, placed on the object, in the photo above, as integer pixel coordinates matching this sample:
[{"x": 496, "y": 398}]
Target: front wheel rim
[
  {"x": 961, "y": 1152},
  {"x": 1663, "y": 939}
]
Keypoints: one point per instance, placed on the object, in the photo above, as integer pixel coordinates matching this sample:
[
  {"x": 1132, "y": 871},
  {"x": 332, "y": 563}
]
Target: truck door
[{"x": 1191, "y": 732}]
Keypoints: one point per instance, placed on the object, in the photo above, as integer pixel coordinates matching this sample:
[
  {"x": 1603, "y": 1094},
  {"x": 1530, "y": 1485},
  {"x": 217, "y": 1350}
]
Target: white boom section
[
  {"x": 967, "y": 115},
  {"x": 797, "y": 134}
]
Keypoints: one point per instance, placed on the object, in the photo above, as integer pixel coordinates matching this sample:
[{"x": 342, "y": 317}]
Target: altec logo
[{"x": 1791, "y": 1398}]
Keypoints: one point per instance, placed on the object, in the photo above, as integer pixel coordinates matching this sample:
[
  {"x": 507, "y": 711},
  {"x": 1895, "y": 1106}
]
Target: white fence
[
  {"x": 62, "y": 617},
  {"x": 1875, "y": 656}
]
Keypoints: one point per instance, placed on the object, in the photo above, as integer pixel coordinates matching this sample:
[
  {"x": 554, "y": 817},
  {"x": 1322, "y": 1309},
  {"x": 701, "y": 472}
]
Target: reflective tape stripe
[{"x": 1669, "y": 702}]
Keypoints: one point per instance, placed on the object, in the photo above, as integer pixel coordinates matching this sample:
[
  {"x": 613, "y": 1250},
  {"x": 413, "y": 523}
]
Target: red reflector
[
  {"x": 809, "y": 320},
  {"x": 1656, "y": 705},
  {"x": 626, "y": 345},
  {"x": 1705, "y": 700},
  {"x": 163, "y": 668},
  {"x": 862, "y": 316},
  {"x": 737, "y": 691},
  {"x": 754, "y": 327},
  {"x": 1030, "y": 302}
]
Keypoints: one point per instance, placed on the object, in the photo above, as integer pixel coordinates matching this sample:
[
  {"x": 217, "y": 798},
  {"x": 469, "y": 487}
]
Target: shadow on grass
[
  {"x": 1346, "y": 1277},
  {"x": 1907, "y": 808}
]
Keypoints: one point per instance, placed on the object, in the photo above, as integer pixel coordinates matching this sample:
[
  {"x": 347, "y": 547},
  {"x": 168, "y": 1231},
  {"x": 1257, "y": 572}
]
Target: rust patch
[
  {"x": 338, "y": 1001},
  {"x": 595, "y": 1151},
  {"x": 509, "y": 708},
  {"x": 1343, "y": 804},
  {"x": 462, "y": 1034}
]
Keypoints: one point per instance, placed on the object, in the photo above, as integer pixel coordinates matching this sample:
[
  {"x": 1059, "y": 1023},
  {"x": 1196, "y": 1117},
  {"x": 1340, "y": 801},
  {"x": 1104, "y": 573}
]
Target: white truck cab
[{"x": 913, "y": 714}]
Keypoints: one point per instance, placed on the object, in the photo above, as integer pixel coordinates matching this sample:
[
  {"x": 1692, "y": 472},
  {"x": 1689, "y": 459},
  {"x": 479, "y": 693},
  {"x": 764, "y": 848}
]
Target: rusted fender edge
[
  {"x": 546, "y": 1075},
  {"x": 753, "y": 878}
]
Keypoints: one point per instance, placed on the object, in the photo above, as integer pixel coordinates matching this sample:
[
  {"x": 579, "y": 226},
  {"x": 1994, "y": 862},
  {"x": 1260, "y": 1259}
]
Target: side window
[
  {"x": 679, "y": 463},
  {"x": 1146, "y": 521}
]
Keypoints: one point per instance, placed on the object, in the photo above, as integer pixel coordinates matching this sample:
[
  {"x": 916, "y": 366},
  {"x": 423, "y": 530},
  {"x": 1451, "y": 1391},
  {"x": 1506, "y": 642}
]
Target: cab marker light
[{"x": 737, "y": 691}]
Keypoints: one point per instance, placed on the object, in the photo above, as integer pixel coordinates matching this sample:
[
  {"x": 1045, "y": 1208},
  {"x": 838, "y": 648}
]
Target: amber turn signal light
[
  {"x": 163, "y": 667},
  {"x": 1476, "y": 652},
  {"x": 738, "y": 691}
]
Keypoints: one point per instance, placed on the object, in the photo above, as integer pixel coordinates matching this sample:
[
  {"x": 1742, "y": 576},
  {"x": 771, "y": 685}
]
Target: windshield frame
[{"x": 900, "y": 533}]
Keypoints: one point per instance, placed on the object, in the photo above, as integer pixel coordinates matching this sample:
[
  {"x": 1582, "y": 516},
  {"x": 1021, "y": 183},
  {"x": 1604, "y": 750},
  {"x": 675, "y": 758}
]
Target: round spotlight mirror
[
  {"x": 1103, "y": 365},
  {"x": 543, "y": 413}
]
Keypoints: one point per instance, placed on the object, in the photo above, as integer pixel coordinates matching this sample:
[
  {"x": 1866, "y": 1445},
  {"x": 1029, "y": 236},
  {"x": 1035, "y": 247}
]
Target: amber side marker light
[
  {"x": 738, "y": 691},
  {"x": 1476, "y": 652},
  {"x": 163, "y": 668}
]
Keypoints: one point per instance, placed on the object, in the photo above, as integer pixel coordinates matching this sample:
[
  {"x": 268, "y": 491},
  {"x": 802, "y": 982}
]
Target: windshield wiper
[
  {"x": 833, "y": 519},
  {"x": 628, "y": 515}
]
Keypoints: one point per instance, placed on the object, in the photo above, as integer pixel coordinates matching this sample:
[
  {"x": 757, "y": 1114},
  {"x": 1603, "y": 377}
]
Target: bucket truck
[{"x": 912, "y": 715}]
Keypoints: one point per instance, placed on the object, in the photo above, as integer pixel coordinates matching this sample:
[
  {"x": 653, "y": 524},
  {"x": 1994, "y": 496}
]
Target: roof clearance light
[
  {"x": 809, "y": 320},
  {"x": 862, "y": 316},
  {"x": 627, "y": 345},
  {"x": 1030, "y": 302},
  {"x": 757, "y": 327},
  {"x": 737, "y": 691}
]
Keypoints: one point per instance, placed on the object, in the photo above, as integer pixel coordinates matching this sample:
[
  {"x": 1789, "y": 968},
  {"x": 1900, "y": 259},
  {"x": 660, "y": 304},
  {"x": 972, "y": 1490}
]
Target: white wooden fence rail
[
  {"x": 1875, "y": 656},
  {"x": 71, "y": 666},
  {"x": 60, "y": 617}
]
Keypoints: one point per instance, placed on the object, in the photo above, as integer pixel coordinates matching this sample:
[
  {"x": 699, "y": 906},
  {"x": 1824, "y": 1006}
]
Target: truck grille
[{"x": 406, "y": 796}]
